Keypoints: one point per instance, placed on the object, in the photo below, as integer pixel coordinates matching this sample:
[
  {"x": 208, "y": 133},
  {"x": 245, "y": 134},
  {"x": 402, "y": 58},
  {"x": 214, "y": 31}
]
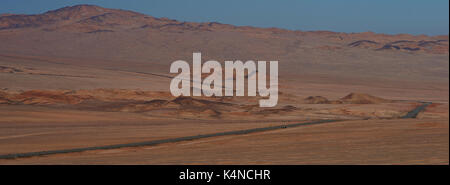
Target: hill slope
[{"x": 96, "y": 37}]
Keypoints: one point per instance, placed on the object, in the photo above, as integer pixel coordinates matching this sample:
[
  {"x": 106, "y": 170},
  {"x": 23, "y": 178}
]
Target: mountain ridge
[
  {"x": 93, "y": 36},
  {"x": 90, "y": 11}
]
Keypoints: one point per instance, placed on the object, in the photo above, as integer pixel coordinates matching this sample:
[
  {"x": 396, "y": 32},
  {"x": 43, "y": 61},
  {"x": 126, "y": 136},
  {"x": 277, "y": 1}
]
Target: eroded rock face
[
  {"x": 361, "y": 98},
  {"x": 430, "y": 46},
  {"x": 426, "y": 46},
  {"x": 352, "y": 98},
  {"x": 316, "y": 100},
  {"x": 73, "y": 97}
]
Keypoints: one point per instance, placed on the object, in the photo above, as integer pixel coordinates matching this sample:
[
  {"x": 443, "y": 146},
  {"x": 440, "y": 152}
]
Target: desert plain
[{"x": 86, "y": 76}]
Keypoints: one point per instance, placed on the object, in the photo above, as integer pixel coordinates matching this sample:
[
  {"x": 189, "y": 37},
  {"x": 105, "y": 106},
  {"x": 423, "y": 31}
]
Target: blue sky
[{"x": 430, "y": 17}]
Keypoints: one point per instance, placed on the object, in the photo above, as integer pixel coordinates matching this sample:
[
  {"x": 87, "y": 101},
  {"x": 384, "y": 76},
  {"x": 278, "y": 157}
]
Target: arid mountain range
[
  {"x": 87, "y": 76},
  {"x": 93, "y": 36}
]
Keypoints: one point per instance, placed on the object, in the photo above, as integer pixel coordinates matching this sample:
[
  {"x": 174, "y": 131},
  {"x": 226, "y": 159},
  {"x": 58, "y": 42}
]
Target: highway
[{"x": 411, "y": 114}]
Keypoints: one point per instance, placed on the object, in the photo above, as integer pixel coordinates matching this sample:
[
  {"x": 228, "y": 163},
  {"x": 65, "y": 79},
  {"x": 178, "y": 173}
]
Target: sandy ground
[
  {"x": 423, "y": 140},
  {"x": 29, "y": 127},
  {"x": 78, "y": 82},
  {"x": 410, "y": 141}
]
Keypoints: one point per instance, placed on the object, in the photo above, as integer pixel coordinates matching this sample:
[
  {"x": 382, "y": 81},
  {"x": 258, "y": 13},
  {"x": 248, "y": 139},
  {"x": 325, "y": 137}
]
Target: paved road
[
  {"x": 412, "y": 114},
  {"x": 416, "y": 111}
]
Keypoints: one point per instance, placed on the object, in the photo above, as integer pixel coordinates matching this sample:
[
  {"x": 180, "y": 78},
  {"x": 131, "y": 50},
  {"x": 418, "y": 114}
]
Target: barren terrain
[{"x": 86, "y": 76}]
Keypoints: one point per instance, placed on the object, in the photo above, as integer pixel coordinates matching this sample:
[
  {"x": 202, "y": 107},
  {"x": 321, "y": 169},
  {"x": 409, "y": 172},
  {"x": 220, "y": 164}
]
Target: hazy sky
[{"x": 429, "y": 17}]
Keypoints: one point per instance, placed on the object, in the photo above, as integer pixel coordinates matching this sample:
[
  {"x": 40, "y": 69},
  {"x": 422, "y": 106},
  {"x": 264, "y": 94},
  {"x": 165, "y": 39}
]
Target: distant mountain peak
[
  {"x": 63, "y": 16},
  {"x": 94, "y": 19},
  {"x": 79, "y": 7},
  {"x": 77, "y": 11}
]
